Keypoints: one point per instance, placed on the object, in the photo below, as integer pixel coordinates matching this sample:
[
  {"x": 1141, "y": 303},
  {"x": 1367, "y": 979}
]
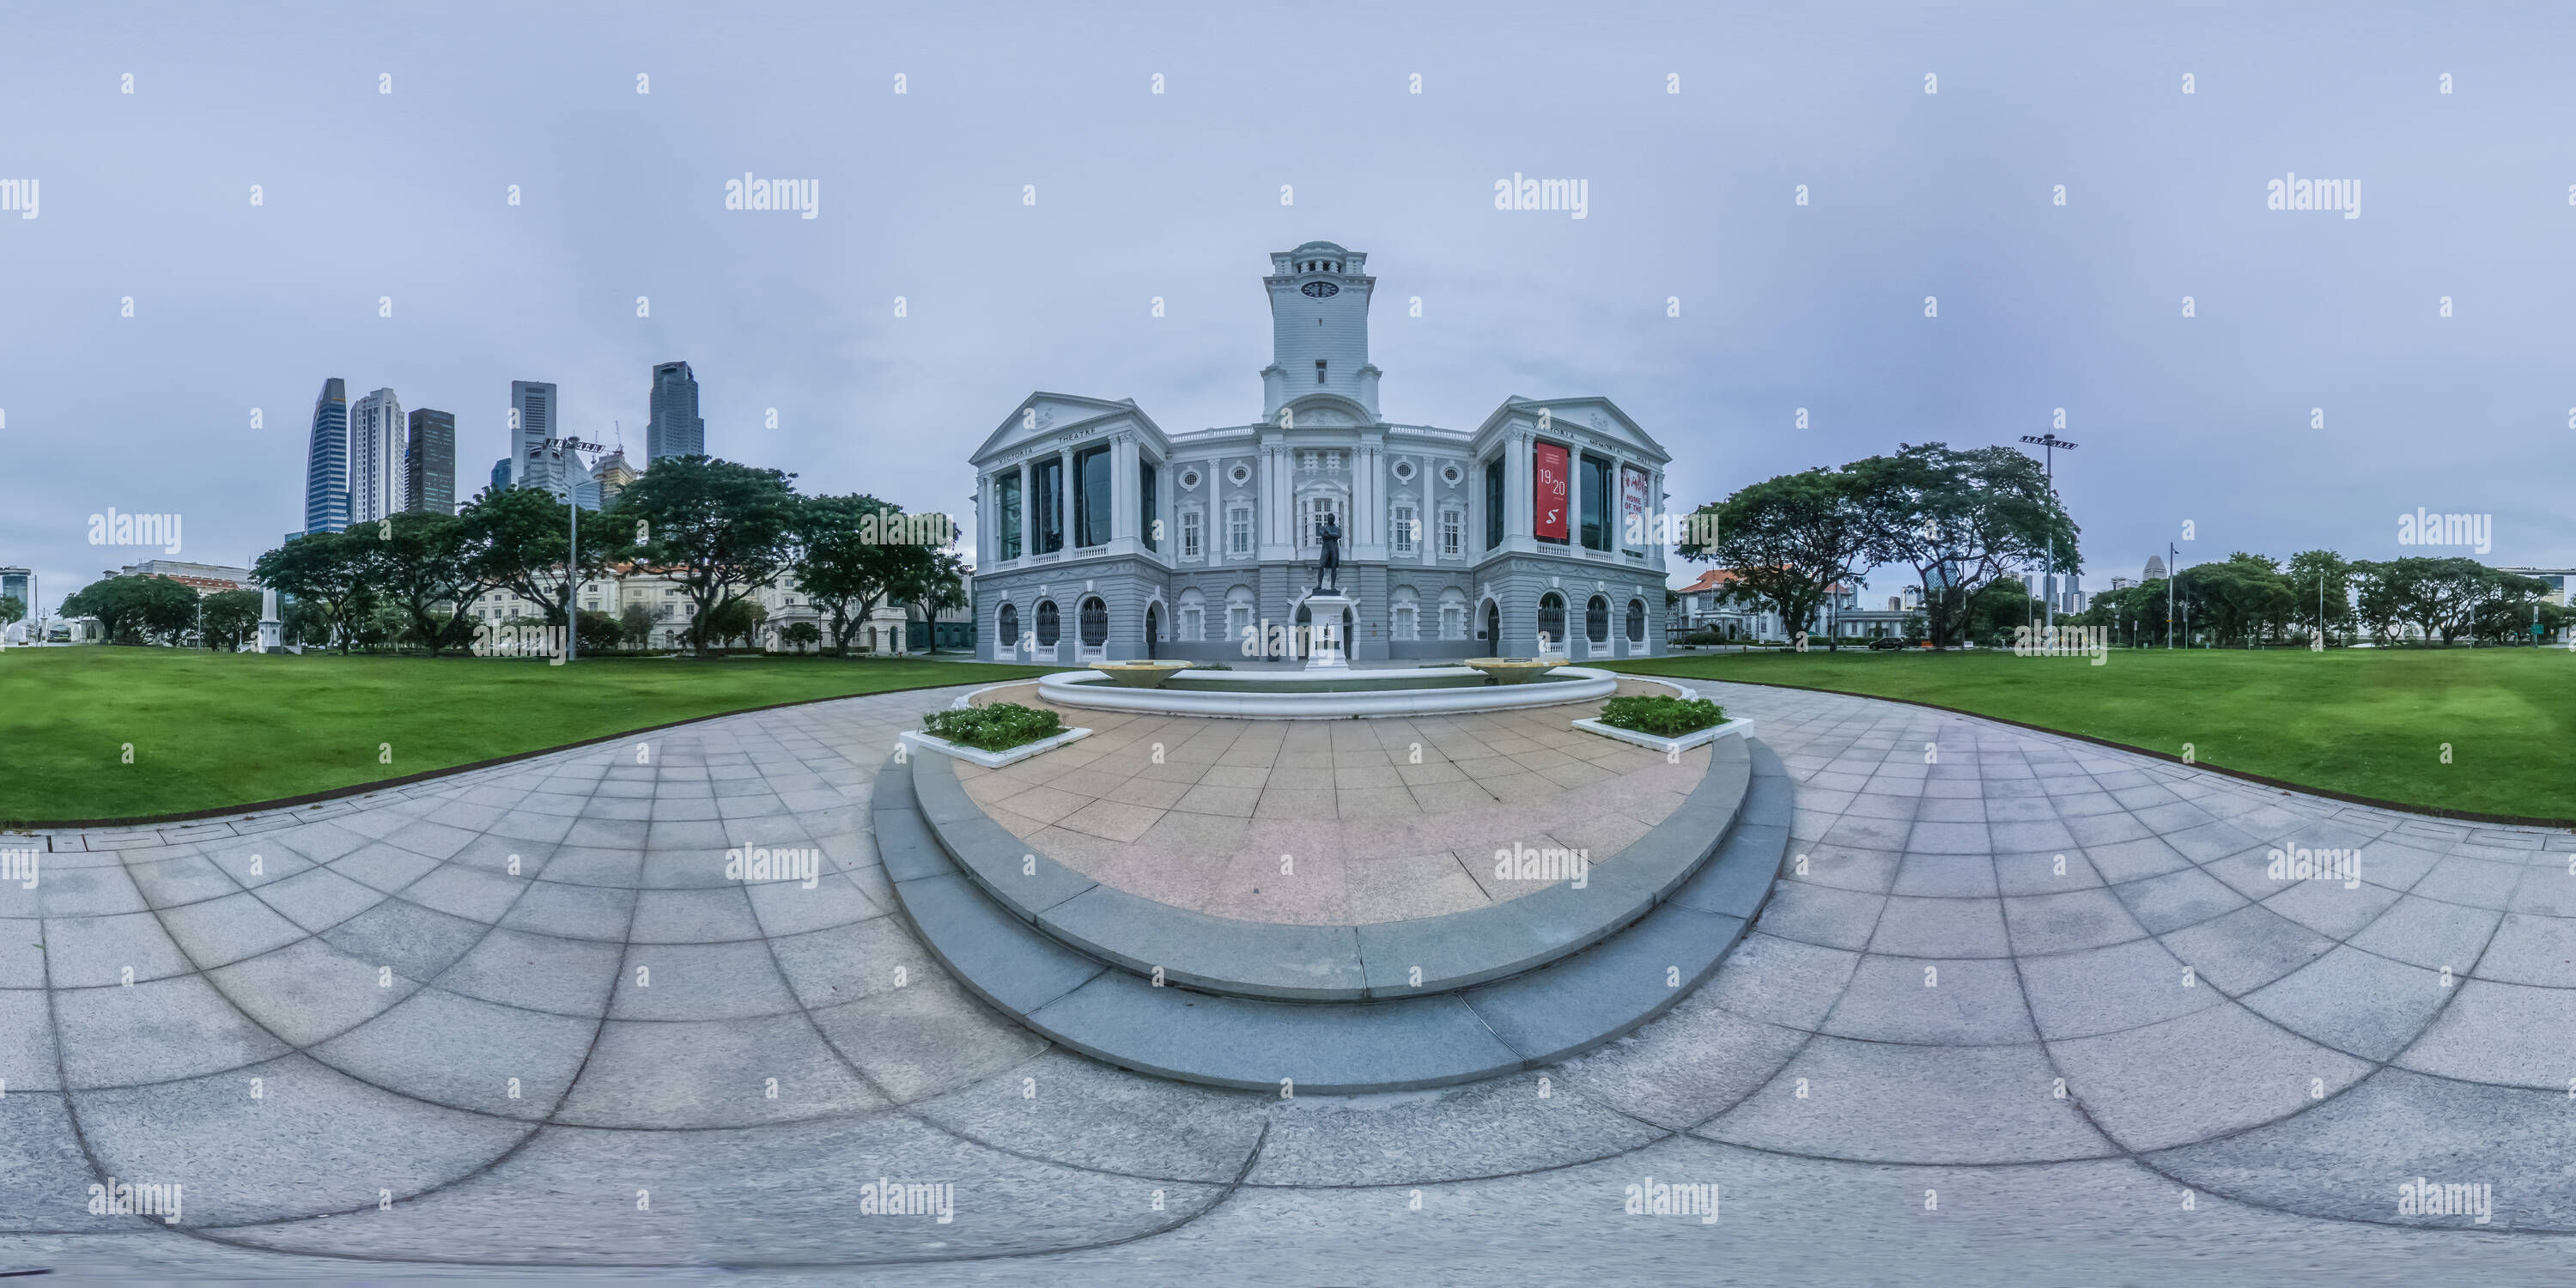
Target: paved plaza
[
  {"x": 1388, "y": 819},
  {"x": 2019, "y": 1005}
]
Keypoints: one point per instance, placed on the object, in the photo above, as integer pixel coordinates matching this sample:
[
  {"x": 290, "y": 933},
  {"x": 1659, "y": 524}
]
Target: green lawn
[
  {"x": 211, "y": 730},
  {"x": 2368, "y": 722}
]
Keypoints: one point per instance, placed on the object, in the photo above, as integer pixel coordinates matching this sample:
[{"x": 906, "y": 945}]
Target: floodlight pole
[
  {"x": 2048, "y": 444},
  {"x": 2172, "y": 558}
]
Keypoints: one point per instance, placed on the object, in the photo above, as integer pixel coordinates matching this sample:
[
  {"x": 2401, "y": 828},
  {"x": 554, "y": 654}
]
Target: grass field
[
  {"x": 211, "y": 730},
  {"x": 2368, "y": 722}
]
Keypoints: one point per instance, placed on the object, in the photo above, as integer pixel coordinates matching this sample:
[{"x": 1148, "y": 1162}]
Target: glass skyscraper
[
  {"x": 429, "y": 462},
  {"x": 326, "y": 461},
  {"x": 675, "y": 429},
  {"x": 533, "y": 401}
]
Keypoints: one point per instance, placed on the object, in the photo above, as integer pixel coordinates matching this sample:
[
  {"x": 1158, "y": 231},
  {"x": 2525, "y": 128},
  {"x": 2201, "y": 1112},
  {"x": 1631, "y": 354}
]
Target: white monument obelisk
[{"x": 270, "y": 628}]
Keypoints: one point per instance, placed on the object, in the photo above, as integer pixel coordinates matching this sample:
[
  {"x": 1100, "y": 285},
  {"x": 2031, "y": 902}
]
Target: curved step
[
  {"x": 1539, "y": 1017},
  {"x": 1393, "y": 959}
]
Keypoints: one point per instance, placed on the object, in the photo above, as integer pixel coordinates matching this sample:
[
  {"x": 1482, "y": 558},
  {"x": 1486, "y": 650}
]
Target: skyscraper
[
  {"x": 613, "y": 474},
  {"x": 532, "y": 405},
  {"x": 429, "y": 462},
  {"x": 501, "y": 474},
  {"x": 676, "y": 429},
  {"x": 326, "y": 461},
  {"x": 375, "y": 457}
]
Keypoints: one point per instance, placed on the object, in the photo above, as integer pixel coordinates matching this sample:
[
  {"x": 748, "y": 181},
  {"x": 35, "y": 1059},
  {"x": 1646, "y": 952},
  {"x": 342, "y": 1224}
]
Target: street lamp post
[
  {"x": 2173, "y": 557},
  {"x": 572, "y": 545},
  {"x": 2049, "y": 444}
]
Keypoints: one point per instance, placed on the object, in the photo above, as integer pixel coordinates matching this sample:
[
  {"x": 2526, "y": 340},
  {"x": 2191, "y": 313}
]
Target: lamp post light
[
  {"x": 2173, "y": 556},
  {"x": 572, "y": 545},
  {"x": 2049, "y": 444}
]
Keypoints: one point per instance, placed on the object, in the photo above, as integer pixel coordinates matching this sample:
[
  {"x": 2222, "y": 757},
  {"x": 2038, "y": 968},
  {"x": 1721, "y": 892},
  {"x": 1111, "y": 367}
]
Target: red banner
[{"x": 1551, "y": 489}]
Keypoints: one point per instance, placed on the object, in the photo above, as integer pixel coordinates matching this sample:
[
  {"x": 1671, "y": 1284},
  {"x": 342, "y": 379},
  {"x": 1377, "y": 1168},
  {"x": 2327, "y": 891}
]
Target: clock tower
[{"x": 1319, "y": 301}]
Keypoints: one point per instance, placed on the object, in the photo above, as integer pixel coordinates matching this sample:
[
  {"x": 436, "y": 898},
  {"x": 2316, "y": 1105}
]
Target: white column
[
  {"x": 1123, "y": 489},
  {"x": 1028, "y": 512},
  {"x": 1518, "y": 517},
  {"x": 1064, "y": 495}
]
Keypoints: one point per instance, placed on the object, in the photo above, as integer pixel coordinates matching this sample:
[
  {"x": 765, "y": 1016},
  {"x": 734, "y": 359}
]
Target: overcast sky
[{"x": 2469, "y": 195}]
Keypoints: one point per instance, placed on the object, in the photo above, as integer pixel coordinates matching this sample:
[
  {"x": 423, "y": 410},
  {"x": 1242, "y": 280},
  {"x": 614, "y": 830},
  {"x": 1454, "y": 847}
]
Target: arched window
[
  {"x": 1006, "y": 628},
  {"x": 1636, "y": 621},
  {"x": 1551, "y": 619},
  {"x": 1596, "y": 620},
  {"x": 1049, "y": 628},
  {"x": 1095, "y": 622}
]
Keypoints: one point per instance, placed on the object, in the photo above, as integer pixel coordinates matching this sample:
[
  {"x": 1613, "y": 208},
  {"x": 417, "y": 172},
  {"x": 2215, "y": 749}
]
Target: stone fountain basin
[
  {"x": 1510, "y": 670},
  {"x": 1141, "y": 675}
]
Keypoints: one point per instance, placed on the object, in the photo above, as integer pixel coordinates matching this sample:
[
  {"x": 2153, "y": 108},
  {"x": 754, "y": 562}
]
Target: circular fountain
[{"x": 1334, "y": 693}]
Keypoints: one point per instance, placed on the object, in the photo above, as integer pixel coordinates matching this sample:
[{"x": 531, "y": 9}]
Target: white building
[
  {"x": 1101, "y": 536},
  {"x": 376, "y": 430}
]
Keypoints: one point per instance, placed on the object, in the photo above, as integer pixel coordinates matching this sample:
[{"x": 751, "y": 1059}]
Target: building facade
[
  {"x": 326, "y": 460},
  {"x": 429, "y": 462},
  {"x": 375, "y": 457},
  {"x": 1101, "y": 537},
  {"x": 675, "y": 428}
]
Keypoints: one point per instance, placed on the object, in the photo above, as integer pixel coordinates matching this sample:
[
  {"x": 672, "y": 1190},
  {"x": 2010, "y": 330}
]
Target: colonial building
[{"x": 1102, "y": 537}]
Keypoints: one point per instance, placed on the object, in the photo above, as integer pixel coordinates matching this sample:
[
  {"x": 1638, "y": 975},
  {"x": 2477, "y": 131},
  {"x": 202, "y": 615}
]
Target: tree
[
  {"x": 735, "y": 619},
  {"x": 228, "y": 617},
  {"x": 803, "y": 635},
  {"x": 932, "y": 580},
  {"x": 515, "y": 538},
  {"x": 2322, "y": 577},
  {"x": 422, "y": 561},
  {"x": 1997, "y": 609},
  {"x": 1960, "y": 519},
  {"x": 635, "y": 625},
  {"x": 12, "y": 610},
  {"x": 2438, "y": 597},
  {"x": 303, "y": 623},
  {"x": 136, "y": 609},
  {"x": 2238, "y": 598},
  {"x": 332, "y": 571},
  {"x": 725, "y": 530},
  {"x": 1788, "y": 540},
  {"x": 842, "y": 563},
  {"x": 600, "y": 632}
]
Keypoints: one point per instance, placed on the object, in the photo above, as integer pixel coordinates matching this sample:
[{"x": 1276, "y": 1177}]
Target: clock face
[{"x": 1321, "y": 290}]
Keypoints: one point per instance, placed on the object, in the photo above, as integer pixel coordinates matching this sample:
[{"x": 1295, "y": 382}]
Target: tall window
[
  {"x": 1453, "y": 534},
  {"x": 1238, "y": 614},
  {"x": 1596, "y": 620},
  {"x": 1006, "y": 628},
  {"x": 1191, "y": 522},
  {"x": 1091, "y": 496},
  {"x": 1636, "y": 621},
  {"x": 1494, "y": 503},
  {"x": 1050, "y": 625},
  {"x": 1238, "y": 532},
  {"x": 1551, "y": 620},
  {"x": 1453, "y": 620},
  {"x": 1405, "y": 525},
  {"x": 1403, "y": 625},
  {"x": 1007, "y": 504},
  {"x": 1048, "y": 485},
  {"x": 1095, "y": 622},
  {"x": 1594, "y": 479},
  {"x": 1145, "y": 522},
  {"x": 1315, "y": 510}
]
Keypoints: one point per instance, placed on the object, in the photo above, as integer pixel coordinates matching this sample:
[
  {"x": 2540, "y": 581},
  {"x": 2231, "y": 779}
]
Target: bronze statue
[{"x": 1329, "y": 571}]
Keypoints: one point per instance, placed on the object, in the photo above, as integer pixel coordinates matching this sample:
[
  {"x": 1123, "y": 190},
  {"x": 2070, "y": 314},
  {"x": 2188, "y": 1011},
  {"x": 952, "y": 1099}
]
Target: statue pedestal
[{"x": 1326, "y": 649}]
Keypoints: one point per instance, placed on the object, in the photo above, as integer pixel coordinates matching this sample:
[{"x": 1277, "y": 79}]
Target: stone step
[
  {"x": 1383, "y": 960},
  {"x": 1535, "y": 1018}
]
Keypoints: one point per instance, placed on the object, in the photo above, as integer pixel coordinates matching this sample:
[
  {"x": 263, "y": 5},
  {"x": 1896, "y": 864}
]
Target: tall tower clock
[{"x": 1319, "y": 302}]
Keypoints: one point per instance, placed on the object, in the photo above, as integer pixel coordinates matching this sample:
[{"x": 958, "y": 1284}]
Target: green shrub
[
  {"x": 1662, "y": 716},
  {"x": 998, "y": 727}
]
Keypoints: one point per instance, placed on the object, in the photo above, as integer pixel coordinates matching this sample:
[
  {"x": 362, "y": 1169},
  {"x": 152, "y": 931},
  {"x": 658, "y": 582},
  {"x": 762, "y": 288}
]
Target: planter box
[
  {"x": 991, "y": 759},
  {"x": 1658, "y": 742}
]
